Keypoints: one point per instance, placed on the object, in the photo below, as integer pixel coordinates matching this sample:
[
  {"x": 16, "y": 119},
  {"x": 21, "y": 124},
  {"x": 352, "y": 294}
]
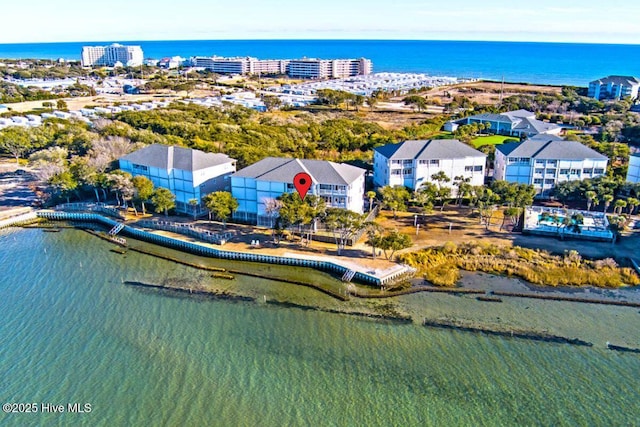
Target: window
[
  {"x": 512, "y": 160},
  {"x": 552, "y": 163},
  {"x": 407, "y": 162},
  {"x": 539, "y": 170},
  {"x": 540, "y": 162},
  {"x": 140, "y": 167},
  {"x": 549, "y": 181},
  {"x": 523, "y": 160},
  {"x": 598, "y": 171},
  {"x": 564, "y": 171},
  {"x": 407, "y": 171},
  {"x": 587, "y": 171},
  {"x": 468, "y": 168},
  {"x": 551, "y": 172},
  {"x": 396, "y": 171},
  {"x": 422, "y": 162},
  {"x": 575, "y": 171},
  {"x": 396, "y": 162},
  {"x": 434, "y": 162},
  {"x": 477, "y": 168},
  {"x": 537, "y": 181}
]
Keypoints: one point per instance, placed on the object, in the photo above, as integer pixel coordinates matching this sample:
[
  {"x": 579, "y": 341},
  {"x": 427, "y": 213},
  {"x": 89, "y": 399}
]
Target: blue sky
[{"x": 611, "y": 21}]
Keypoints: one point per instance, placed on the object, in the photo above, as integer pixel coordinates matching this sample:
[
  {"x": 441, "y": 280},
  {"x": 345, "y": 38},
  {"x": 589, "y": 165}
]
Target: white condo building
[
  {"x": 108, "y": 56},
  {"x": 545, "y": 160},
  {"x": 339, "y": 184},
  {"x": 311, "y": 68},
  {"x": 188, "y": 174},
  {"x": 614, "y": 87},
  {"x": 412, "y": 163},
  {"x": 633, "y": 174},
  {"x": 308, "y": 68}
]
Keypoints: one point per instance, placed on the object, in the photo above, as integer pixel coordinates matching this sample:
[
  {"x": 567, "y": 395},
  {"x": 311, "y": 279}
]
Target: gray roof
[
  {"x": 519, "y": 119},
  {"x": 550, "y": 147},
  {"x": 429, "y": 149},
  {"x": 521, "y": 114},
  {"x": 278, "y": 169},
  {"x": 617, "y": 80},
  {"x": 534, "y": 124},
  {"x": 172, "y": 157},
  {"x": 508, "y": 116}
]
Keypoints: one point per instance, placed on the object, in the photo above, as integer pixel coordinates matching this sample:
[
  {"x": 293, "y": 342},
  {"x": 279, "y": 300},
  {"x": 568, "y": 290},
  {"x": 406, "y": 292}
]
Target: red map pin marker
[{"x": 302, "y": 182}]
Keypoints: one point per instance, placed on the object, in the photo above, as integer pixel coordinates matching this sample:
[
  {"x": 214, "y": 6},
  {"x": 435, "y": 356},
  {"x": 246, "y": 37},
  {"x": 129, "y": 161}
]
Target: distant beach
[{"x": 542, "y": 63}]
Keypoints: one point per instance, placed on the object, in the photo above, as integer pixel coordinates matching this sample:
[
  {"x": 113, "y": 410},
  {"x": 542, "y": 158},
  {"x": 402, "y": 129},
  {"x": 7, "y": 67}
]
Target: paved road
[{"x": 14, "y": 188}]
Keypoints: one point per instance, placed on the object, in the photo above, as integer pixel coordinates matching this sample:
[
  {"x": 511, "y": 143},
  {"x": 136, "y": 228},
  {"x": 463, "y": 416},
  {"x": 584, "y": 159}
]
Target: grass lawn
[{"x": 491, "y": 140}]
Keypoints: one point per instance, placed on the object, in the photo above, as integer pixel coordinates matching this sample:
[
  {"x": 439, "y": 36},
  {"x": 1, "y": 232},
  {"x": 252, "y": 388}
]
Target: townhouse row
[{"x": 542, "y": 161}]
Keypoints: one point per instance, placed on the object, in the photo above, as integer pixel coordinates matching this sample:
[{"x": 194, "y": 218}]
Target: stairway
[
  {"x": 116, "y": 229},
  {"x": 348, "y": 275}
]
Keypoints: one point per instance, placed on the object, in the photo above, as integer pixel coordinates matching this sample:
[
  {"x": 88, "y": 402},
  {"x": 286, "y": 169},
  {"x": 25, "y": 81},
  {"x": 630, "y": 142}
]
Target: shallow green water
[{"x": 72, "y": 332}]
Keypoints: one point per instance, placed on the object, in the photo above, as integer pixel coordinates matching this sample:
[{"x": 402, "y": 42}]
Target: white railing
[
  {"x": 91, "y": 207},
  {"x": 188, "y": 230}
]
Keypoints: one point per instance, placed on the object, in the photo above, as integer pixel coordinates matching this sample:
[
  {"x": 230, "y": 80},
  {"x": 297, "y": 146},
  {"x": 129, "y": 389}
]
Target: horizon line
[{"x": 328, "y": 39}]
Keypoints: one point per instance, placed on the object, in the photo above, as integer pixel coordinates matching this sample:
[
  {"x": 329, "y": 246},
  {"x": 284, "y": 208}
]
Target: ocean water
[
  {"x": 547, "y": 63},
  {"x": 73, "y": 333}
]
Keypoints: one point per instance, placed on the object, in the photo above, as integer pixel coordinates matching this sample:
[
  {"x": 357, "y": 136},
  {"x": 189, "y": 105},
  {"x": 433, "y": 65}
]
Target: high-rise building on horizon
[
  {"x": 109, "y": 56},
  {"x": 308, "y": 68}
]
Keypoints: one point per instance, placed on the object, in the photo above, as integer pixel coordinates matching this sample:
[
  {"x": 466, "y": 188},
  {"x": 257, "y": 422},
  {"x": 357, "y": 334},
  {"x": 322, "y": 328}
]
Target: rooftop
[
  {"x": 173, "y": 157},
  {"x": 278, "y": 169},
  {"x": 550, "y": 147},
  {"x": 625, "y": 80},
  {"x": 429, "y": 149}
]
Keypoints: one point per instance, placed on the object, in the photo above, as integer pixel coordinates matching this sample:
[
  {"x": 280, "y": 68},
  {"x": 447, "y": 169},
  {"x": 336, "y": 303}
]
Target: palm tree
[
  {"x": 608, "y": 198},
  {"x": 374, "y": 234},
  {"x": 619, "y": 205},
  {"x": 463, "y": 187},
  {"x": 371, "y": 195},
  {"x": 632, "y": 202},
  {"x": 592, "y": 199},
  {"x": 194, "y": 204}
]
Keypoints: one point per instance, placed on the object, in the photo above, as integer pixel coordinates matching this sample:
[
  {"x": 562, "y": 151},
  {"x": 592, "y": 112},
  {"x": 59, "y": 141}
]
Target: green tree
[
  {"x": 592, "y": 199},
  {"x": 444, "y": 192},
  {"x": 302, "y": 214},
  {"x": 194, "y": 205},
  {"x": 15, "y": 141},
  {"x": 372, "y": 101},
  {"x": 143, "y": 190},
  {"x": 463, "y": 188},
  {"x": 64, "y": 183},
  {"x": 394, "y": 198},
  {"x": 371, "y": 195},
  {"x": 513, "y": 214},
  {"x": 607, "y": 198},
  {"x": 61, "y": 105},
  {"x": 121, "y": 184},
  {"x": 393, "y": 242},
  {"x": 374, "y": 235},
  {"x": 416, "y": 101},
  {"x": 221, "y": 204},
  {"x": 485, "y": 200},
  {"x": 426, "y": 196},
  {"x": 271, "y": 102},
  {"x": 163, "y": 200},
  {"x": 619, "y": 205},
  {"x": 632, "y": 202},
  {"x": 344, "y": 224}
]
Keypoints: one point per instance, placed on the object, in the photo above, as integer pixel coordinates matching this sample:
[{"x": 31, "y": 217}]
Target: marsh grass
[{"x": 441, "y": 265}]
